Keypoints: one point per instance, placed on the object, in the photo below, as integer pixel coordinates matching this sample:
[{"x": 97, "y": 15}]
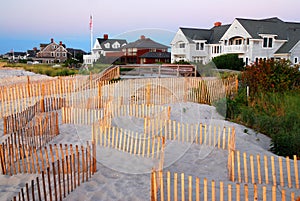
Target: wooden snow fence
[
  {"x": 149, "y": 143},
  {"x": 16, "y": 98},
  {"x": 38, "y": 132},
  {"x": 170, "y": 90},
  {"x": 16, "y": 121},
  {"x": 263, "y": 169},
  {"x": 178, "y": 186},
  {"x": 202, "y": 134},
  {"x": 19, "y": 158},
  {"x": 69, "y": 167},
  {"x": 86, "y": 116},
  {"x": 85, "y": 90},
  {"x": 139, "y": 144}
]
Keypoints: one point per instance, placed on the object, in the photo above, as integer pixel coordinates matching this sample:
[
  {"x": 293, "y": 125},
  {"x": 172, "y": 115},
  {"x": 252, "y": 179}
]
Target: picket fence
[{"x": 174, "y": 186}]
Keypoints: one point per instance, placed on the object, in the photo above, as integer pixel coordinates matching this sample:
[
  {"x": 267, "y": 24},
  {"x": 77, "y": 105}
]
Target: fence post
[
  {"x": 296, "y": 171},
  {"x": 4, "y": 125},
  {"x": 3, "y": 166}
]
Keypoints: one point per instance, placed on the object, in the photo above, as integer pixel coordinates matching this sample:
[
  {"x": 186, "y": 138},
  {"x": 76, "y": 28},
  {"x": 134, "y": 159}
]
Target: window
[
  {"x": 248, "y": 41},
  {"x": 182, "y": 45},
  {"x": 268, "y": 42},
  {"x": 246, "y": 61},
  {"x": 197, "y": 46},
  {"x": 201, "y": 46},
  {"x": 225, "y": 42},
  {"x": 107, "y": 45},
  {"x": 265, "y": 42},
  {"x": 295, "y": 60},
  {"x": 57, "y": 54},
  {"x": 238, "y": 42},
  {"x": 198, "y": 60}
]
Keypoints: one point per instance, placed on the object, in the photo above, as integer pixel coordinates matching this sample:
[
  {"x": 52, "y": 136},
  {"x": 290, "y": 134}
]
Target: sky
[{"x": 26, "y": 24}]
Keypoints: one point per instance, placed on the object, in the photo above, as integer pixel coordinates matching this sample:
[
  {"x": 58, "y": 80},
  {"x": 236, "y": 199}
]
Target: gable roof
[
  {"x": 145, "y": 43},
  {"x": 103, "y": 41},
  {"x": 293, "y": 37},
  {"x": 265, "y": 26},
  {"x": 212, "y": 35},
  {"x": 289, "y": 31}
]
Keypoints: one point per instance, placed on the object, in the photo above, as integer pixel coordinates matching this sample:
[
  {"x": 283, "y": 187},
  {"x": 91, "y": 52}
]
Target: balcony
[
  {"x": 179, "y": 51},
  {"x": 235, "y": 49}
]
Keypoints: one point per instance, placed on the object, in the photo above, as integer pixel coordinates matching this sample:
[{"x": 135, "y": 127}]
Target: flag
[{"x": 91, "y": 22}]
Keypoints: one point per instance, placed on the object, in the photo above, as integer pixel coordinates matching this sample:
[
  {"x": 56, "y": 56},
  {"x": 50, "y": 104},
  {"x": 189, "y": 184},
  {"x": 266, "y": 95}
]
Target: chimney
[
  {"x": 60, "y": 42},
  {"x": 143, "y": 37},
  {"x": 52, "y": 40},
  {"x": 105, "y": 36},
  {"x": 217, "y": 24}
]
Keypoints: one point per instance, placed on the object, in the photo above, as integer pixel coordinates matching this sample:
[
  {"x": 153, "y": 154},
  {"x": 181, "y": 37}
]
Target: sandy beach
[{"x": 122, "y": 176}]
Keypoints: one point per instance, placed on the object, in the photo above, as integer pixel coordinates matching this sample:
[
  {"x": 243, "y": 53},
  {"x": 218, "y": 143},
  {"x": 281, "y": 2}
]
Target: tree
[{"x": 229, "y": 61}]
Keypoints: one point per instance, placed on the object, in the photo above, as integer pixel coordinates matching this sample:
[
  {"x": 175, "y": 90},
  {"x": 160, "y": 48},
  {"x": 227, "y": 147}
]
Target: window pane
[
  {"x": 265, "y": 42},
  {"x": 270, "y": 42}
]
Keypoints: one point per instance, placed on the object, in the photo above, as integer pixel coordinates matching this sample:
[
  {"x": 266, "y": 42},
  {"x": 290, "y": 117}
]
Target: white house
[
  {"x": 104, "y": 47},
  {"x": 250, "y": 39}
]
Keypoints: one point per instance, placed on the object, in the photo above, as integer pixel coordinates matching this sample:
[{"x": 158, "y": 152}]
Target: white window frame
[
  {"x": 182, "y": 45},
  {"x": 269, "y": 42}
]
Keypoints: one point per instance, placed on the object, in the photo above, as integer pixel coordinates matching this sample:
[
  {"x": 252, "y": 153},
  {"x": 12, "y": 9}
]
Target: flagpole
[{"x": 91, "y": 35}]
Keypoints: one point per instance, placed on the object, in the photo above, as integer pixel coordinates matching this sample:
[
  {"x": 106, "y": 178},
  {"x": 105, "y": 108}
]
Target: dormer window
[
  {"x": 107, "y": 45},
  {"x": 268, "y": 42},
  {"x": 199, "y": 46}
]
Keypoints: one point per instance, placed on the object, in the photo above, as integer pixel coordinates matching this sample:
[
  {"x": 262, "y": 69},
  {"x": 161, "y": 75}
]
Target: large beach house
[
  {"x": 249, "y": 38},
  {"x": 145, "y": 51},
  {"x": 142, "y": 51},
  {"x": 105, "y": 48},
  {"x": 52, "y": 52}
]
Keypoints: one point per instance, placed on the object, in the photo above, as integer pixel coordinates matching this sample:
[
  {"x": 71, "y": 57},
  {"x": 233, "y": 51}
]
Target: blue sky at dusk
[{"x": 26, "y": 24}]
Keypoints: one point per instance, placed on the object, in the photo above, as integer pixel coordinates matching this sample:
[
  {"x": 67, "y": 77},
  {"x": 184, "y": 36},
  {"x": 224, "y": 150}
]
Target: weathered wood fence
[
  {"x": 16, "y": 121},
  {"x": 19, "y": 158},
  {"x": 170, "y": 90},
  {"x": 62, "y": 175},
  {"x": 84, "y": 91},
  {"x": 134, "y": 143},
  {"x": 40, "y": 131},
  {"x": 263, "y": 169},
  {"x": 175, "y": 186}
]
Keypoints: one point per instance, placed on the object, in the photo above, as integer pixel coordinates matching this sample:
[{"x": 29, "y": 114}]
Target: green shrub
[
  {"x": 271, "y": 76},
  {"x": 229, "y": 61}
]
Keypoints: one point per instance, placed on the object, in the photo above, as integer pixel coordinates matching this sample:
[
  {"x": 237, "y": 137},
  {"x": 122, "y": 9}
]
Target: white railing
[{"x": 235, "y": 49}]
